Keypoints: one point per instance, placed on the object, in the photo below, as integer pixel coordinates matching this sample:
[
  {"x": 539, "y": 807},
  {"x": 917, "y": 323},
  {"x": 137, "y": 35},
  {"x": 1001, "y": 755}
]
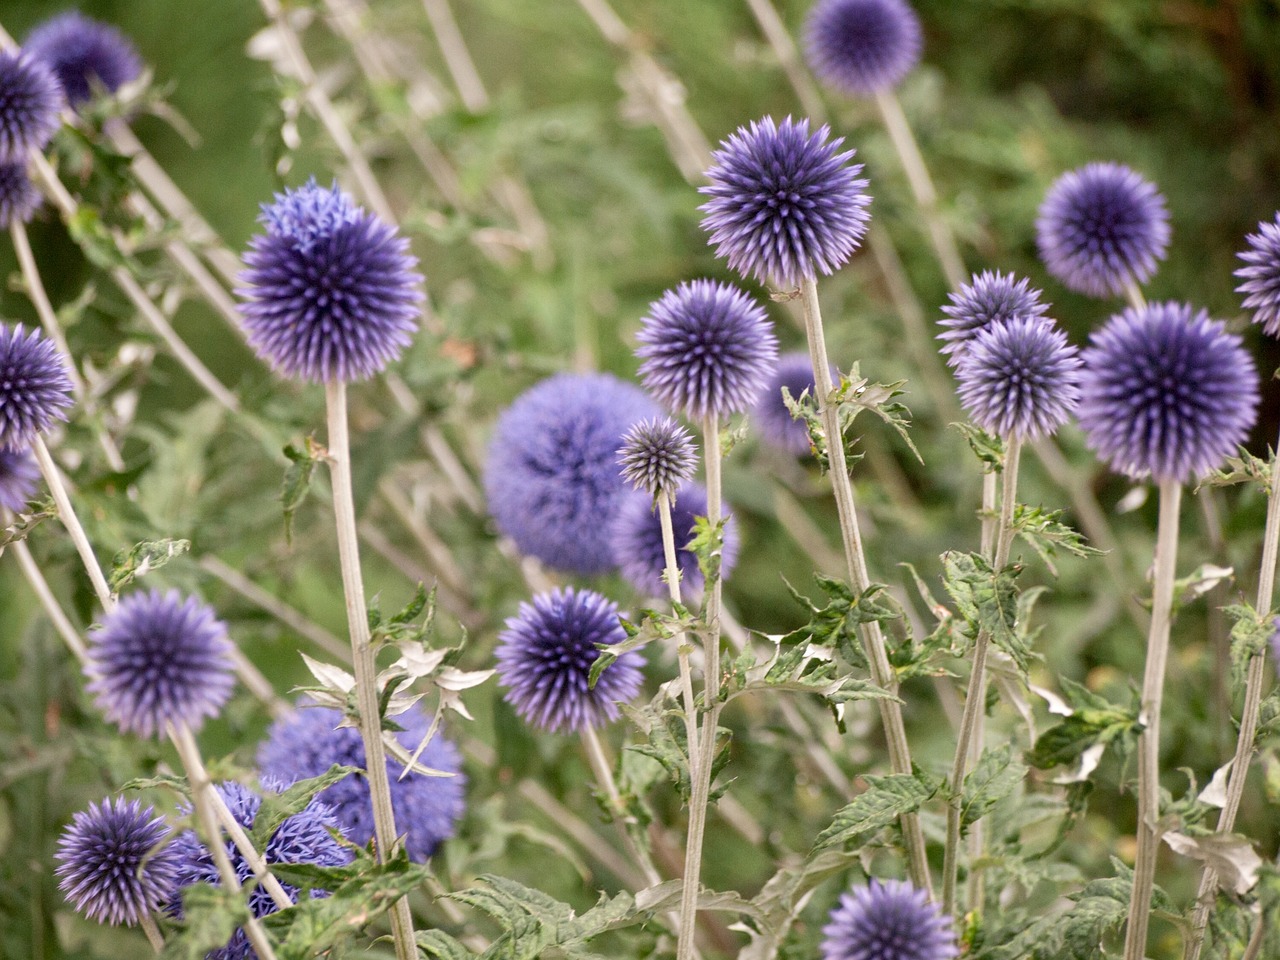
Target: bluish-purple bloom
[
  {"x": 637, "y": 542},
  {"x": 332, "y": 292},
  {"x": 111, "y": 866},
  {"x": 30, "y": 100},
  {"x": 552, "y": 476},
  {"x": 157, "y": 659},
  {"x": 426, "y": 808},
  {"x": 545, "y": 655},
  {"x": 888, "y": 920},
  {"x": 19, "y": 475},
  {"x": 19, "y": 198},
  {"x": 770, "y": 413},
  {"x": 34, "y": 387},
  {"x": 988, "y": 298},
  {"x": 863, "y": 46},
  {"x": 657, "y": 456},
  {"x": 1101, "y": 228},
  {"x": 1261, "y": 276},
  {"x": 84, "y": 53},
  {"x": 785, "y": 204},
  {"x": 1166, "y": 392}
]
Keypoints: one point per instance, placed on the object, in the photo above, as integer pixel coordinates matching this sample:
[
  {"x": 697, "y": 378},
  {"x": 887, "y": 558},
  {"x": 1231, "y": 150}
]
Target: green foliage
[
  {"x": 881, "y": 804},
  {"x": 141, "y": 559}
]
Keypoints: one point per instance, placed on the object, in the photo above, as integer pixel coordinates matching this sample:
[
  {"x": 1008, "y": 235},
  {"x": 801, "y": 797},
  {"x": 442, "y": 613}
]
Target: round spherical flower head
[
  {"x": 707, "y": 349},
  {"x": 552, "y": 476},
  {"x": 545, "y": 656},
  {"x": 770, "y": 414},
  {"x": 331, "y": 291},
  {"x": 158, "y": 659},
  {"x": 34, "y": 387},
  {"x": 19, "y": 475},
  {"x": 427, "y": 809},
  {"x": 1261, "y": 276},
  {"x": 19, "y": 198},
  {"x": 1166, "y": 392},
  {"x": 657, "y": 456},
  {"x": 863, "y": 46},
  {"x": 1102, "y": 228},
  {"x": 989, "y": 298},
  {"x": 785, "y": 204},
  {"x": 30, "y": 100},
  {"x": 637, "y": 542},
  {"x": 84, "y": 53},
  {"x": 112, "y": 868},
  {"x": 889, "y": 920}
]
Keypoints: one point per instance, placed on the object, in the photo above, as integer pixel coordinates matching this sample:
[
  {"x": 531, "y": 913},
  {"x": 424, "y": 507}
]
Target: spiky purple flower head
[
  {"x": 302, "y": 838},
  {"x": 331, "y": 291},
  {"x": 657, "y": 456},
  {"x": 988, "y": 298},
  {"x": 862, "y": 47},
  {"x": 1166, "y": 392},
  {"x": 552, "y": 476},
  {"x": 770, "y": 413},
  {"x": 1261, "y": 276},
  {"x": 30, "y": 100},
  {"x": 19, "y": 475},
  {"x": 426, "y": 809},
  {"x": 1102, "y": 227},
  {"x": 784, "y": 203},
  {"x": 157, "y": 659},
  {"x": 888, "y": 920},
  {"x": 111, "y": 866},
  {"x": 637, "y": 542},
  {"x": 545, "y": 656},
  {"x": 84, "y": 53},
  {"x": 706, "y": 349},
  {"x": 19, "y": 198},
  {"x": 34, "y": 387}
]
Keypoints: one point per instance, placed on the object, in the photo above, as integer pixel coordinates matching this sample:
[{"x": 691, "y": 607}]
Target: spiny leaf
[
  {"x": 988, "y": 601},
  {"x": 881, "y": 804},
  {"x": 1045, "y": 532},
  {"x": 1093, "y": 721},
  {"x": 276, "y": 808},
  {"x": 653, "y": 626},
  {"x": 987, "y": 447},
  {"x": 1250, "y": 634},
  {"x": 141, "y": 559},
  {"x": 996, "y": 776},
  {"x": 297, "y": 479}
]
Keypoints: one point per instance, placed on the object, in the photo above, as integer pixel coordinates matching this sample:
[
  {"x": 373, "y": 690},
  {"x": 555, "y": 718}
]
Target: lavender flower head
[
  {"x": 1166, "y": 392},
  {"x": 637, "y": 542},
  {"x": 552, "y": 477},
  {"x": 545, "y": 655},
  {"x": 784, "y": 203},
  {"x": 706, "y": 349},
  {"x": 1020, "y": 379},
  {"x": 862, "y": 47},
  {"x": 770, "y": 413},
  {"x": 19, "y": 475},
  {"x": 988, "y": 298},
  {"x": 19, "y": 198},
  {"x": 1275, "y": 641},
  {"x": 84, "y": 53},
  {"x": 331, "y": 291},
  {"x": 1101, "y": 228},
  {"x": 889, "y": 920},
  {"x": 30, "y": 100},
  {"x": 426, "y": 808},
  {"x": 109, "y": 866},
  {"x": 1261, "y": 276},
  {"x": 657, "y": 456},
  {"x": 158, "y": 659},
  {"x": 34, "y": 387}
]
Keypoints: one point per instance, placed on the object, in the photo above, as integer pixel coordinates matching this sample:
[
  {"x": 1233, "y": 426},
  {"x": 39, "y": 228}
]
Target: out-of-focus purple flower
[
  {"x": 862, "y": 47},
  {"x": 19, "y": 198},
  {"x": 83, "y": 53},
  {"x": 552, "y": 476},
  {"x": 19, "y": 475},
  {"x": 657, "y": 456},
  {"x": 1101, "y": 228},
  {"x": 545, "y": 656},
  {"x": 34, "y": 387},
  {"x": 889, "y": 920},
  {"x": 30, "y": 100},
  {"x": 770, "y": 413},
  {"x": 1261, "y": 276},
  {"x": 332, "y": 292},
  {"x": 988, "y": 298},
  {"x": 426, "y": 809},
  {"x": 637, "y": 542},
  {"x": 1275, "y": 641},
  {"x": 1166, "y": 392},
  {"x": 785, "y": 204}
]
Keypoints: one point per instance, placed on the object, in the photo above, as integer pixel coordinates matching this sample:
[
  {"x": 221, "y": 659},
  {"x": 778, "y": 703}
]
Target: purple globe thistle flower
[
  {"x": 770, "y": 413},
  {"x": 862, "y": 47},
  {"x": 159, "y": 659},
  {"x": 657, "y": 456},
  {"x": 784, "y": 204},
  {"x": 707, "y": 348},
  {"x": 1020, "y": 379},
  {"x": 332, "y": 292},
  {"x": 303, "y": 838},
  {"x": 1101, "y": 228},
  {"x": 426, "y": 808},
  {"x": 19, "y": 198},
  {"x": 30, "y": 100},
  {"x": 84, "y": 53},
  {"x": 637, "y": 542},
  {"x": 552, "y": 477},
  {"x": 34, "y": 387},
  {"x": 1275, "y": 641},
  {"x": 19, "y": 475},
  {"x": 1166, "y": 392},
  {"x": 988, "y": 298},
  {"x": 545, "y": 656},
  {"x": 889, "y": 920},
  {"x": 1261, "y": 276},
  {"x": 110, "y": 868}
]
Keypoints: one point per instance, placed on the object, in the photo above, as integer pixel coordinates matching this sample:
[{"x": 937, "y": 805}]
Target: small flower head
[
  {"x": 657, "y": 456},
  {"x": 862, "y": 47},
  {"x": 19, "y": 475},
  {"x": 111, "y": 865},
  {"x": 19, "y": 198},
  {"x": 1019, "y": 379},
  {"x": 84, "y": 53},
  {"x": 1101, "y": 228},
  {"x": 706, "y": 349},
  {"x": 30, "y": 100},
  {"x": 989, "y": 298},
  {"x": 770, "y": 413},
  {"x": 158, "y": 659},
  {"x": 637, "y": 542},
  {"x": 34, "y": 387},
  {"x": 1166, "y": 392},
  {"x": 1261, "y": 276},
  {"x": 426, "y": 809},
  {"x": 545, "y": 656},
  {"x": 785, "y": 204},
  {"x": 552, "y": 477},
  {"x": 331, "y": 291},
  {"x": 889, "y": 920}
]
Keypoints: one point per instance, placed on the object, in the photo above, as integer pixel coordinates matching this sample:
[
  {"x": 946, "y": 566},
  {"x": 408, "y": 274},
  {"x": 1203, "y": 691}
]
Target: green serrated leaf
[
  {"x": 987, "y": 447},
  {"x": 1045, "y": 532},
  {"x": 996, "y": 776},
  {"x": 988, "y": 601},
  {"x": 1093, "y": 721},
  {"x": 210, "y": 916},
  {"x": 141, "y": 559},
  {"x": 653, "y": 626},
  {"x": 1250, "y": 634},
  {"x": 276, "y": 808},
  {"x": 297, "y": 479},
  {"x": 881, "y": 804}
]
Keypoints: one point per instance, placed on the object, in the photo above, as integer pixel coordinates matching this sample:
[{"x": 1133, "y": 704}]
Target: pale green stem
[
  {"x": 67, "y": 514},
  {"x": 1133, "y": 293},
  {"x": 672, "y": 576},
  {"x": 603, "y": 772},
  {"x": 53, "y": 610},
  {"x": 148, "y": 924}
]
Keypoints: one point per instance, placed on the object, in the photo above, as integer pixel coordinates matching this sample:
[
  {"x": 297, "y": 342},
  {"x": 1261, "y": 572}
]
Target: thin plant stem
[
  {"x": 148, "y": 924},
  {"x": 52, "y": 608},
  {"x": 67, "y": 514},
  {"x": 672, "y": 576},
  {"x": 1149, "y": 740},
  {"x": 603, "y": 772},
  {"x": 784, "y": 48},
  {"x": 1133, "y": 293}
]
